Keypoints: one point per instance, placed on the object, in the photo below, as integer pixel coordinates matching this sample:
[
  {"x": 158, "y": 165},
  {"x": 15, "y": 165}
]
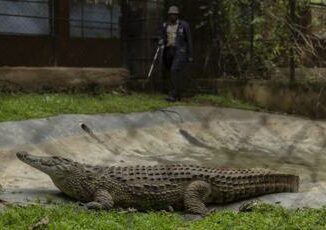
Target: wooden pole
[
  {"x": 292, "y": 8},
  {"x": 61, "y": 29}
]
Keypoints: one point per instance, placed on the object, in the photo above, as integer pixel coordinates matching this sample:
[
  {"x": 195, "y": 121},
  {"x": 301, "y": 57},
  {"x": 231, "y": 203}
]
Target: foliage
[
  {"x": 74, "y": 217},
  {"x": 256, "y": 36}
]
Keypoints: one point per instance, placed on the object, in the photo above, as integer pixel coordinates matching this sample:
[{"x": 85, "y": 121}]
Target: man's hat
[{"x": 173, "y": 10}]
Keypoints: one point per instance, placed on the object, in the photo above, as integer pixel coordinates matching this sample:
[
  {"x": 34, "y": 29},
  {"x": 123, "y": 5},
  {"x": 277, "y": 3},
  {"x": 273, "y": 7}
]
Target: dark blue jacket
[{"x": 183, "y": 39}]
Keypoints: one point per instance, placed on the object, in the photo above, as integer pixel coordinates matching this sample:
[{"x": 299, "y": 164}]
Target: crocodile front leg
[
  {"x": 195, "y": 196},
  {"x": 102, "y": 201}
]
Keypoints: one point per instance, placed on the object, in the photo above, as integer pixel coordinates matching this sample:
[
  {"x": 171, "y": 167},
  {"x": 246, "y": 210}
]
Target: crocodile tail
[
  {"x": 271, "y": 183},
  {"x": 241, "y": 185},
  {"x": 286, "y": 183}
]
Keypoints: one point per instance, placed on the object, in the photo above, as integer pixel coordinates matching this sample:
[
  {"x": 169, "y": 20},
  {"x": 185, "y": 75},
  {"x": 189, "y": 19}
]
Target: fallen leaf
[{"x": 42, "y": 222}]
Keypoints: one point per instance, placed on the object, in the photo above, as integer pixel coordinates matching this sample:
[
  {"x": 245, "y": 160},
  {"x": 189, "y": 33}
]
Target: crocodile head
[{"x": 55, "y": 167}]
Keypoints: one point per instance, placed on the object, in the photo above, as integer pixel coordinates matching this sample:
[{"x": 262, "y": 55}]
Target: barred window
[
  {"x": 88, "y": 20},
  {"x": 25, "y": 17}
]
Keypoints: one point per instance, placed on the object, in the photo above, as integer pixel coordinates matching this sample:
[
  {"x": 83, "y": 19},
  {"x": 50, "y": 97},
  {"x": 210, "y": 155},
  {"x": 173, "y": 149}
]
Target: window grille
[
  {"x": 25, "y": 17},
  {"x": 89, "y": 20}
]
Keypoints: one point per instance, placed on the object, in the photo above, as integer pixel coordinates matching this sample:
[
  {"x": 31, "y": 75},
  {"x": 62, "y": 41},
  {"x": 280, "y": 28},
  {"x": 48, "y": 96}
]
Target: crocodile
[{"x": 187, "y": 187}]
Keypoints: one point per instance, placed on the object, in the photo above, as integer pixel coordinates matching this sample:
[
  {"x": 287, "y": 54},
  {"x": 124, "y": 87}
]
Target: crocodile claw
[
  {"x": 94, "y": 206},
  {"x": 249, "y": 206},
  {"x": 128, "y": 210}
]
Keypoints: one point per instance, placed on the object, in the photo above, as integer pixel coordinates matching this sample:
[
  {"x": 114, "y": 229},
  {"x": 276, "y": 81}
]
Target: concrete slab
[
  {"x": 61, "y": 79},
  {"x": 209, "y": 136}
]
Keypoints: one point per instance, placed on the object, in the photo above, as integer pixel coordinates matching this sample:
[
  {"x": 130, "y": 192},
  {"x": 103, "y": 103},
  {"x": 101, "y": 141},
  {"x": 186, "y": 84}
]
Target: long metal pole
[{"x": 153, "y": 62}]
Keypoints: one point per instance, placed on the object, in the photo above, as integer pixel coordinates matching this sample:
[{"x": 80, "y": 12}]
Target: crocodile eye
[{"x": 55, "y": 158}]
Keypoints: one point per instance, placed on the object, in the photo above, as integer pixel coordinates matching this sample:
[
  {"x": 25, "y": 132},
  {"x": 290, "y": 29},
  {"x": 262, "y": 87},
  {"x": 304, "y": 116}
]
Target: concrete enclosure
[{"x": 197, "y": 135}]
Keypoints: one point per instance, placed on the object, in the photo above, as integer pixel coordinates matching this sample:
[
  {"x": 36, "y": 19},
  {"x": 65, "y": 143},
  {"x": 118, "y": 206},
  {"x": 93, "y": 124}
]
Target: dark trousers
[{"x": 175, "y": 62}]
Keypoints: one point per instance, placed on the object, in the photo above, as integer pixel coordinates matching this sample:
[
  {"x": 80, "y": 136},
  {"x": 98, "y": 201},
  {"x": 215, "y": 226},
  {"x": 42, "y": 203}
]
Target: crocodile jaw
[{"x": 47, "y": 165}]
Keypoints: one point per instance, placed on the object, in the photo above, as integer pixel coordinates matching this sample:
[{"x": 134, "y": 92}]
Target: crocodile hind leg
[
  {"x": 195, "y": 196},
  {"x": 102, "y": 200}
]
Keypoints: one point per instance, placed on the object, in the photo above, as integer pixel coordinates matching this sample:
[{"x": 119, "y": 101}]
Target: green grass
[
  {"x": 224, "y": 102},
  {"x": 74, "y": 217},
  {"x": 27, "y": 106}
]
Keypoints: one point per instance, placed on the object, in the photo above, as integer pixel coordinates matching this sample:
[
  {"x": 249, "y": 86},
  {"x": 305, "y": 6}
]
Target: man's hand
[
  {"x": 160, "y": 42},
  {"x": 190, "y": 59}
]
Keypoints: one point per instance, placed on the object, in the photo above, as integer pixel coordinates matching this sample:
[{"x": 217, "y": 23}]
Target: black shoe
[{"x": 171, "y": 99}]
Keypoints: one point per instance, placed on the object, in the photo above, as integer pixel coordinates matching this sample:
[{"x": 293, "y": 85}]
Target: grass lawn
[
  {"x": 27, "y": 106},
  {"x": 74, "y": 217}
]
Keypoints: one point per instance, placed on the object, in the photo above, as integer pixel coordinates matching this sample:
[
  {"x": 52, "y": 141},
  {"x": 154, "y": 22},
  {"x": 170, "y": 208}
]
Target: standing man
[{"x": 177, "y": 42}]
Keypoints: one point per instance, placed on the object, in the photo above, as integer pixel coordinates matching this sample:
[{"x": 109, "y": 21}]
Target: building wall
[{"x": 59, "y": 33}]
